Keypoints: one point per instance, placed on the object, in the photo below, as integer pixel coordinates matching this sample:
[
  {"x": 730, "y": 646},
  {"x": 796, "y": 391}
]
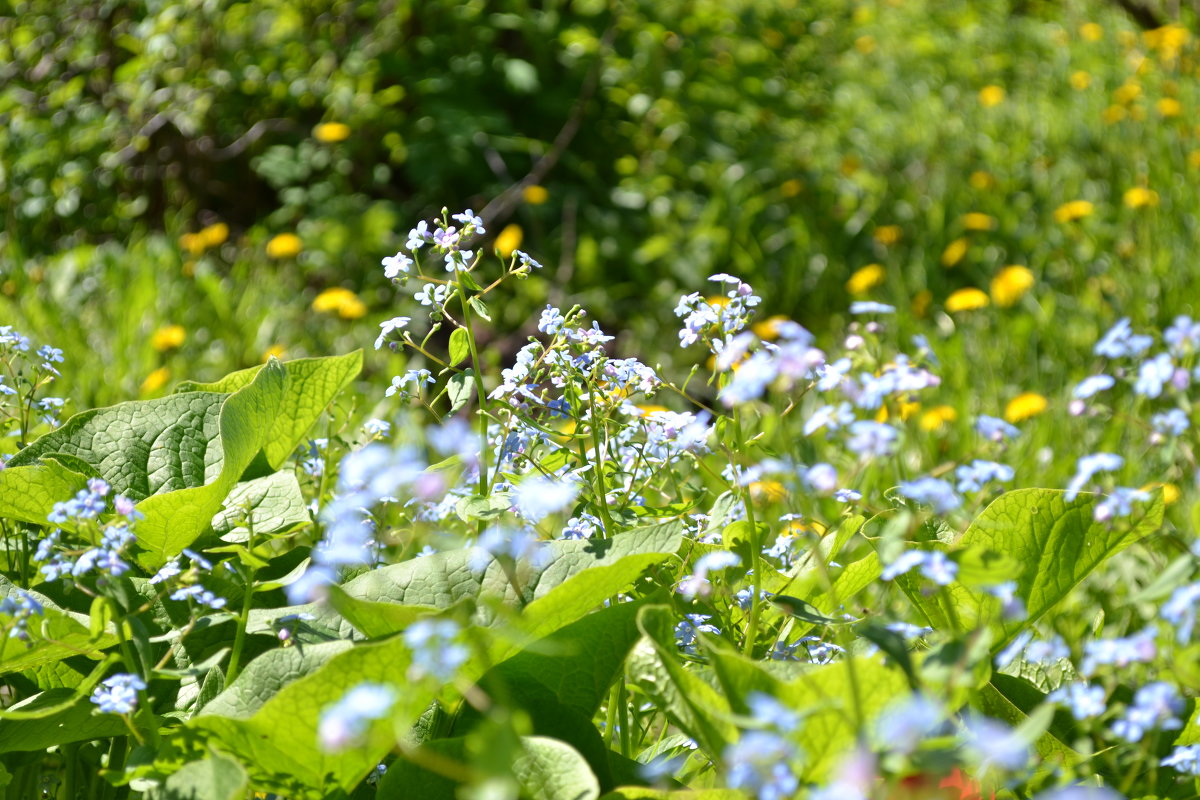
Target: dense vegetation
[{"x": 584, "y": 399}]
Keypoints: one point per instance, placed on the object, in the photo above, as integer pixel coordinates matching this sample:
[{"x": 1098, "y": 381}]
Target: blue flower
[
  {"x": 1120, "y": 341},
  {"x": 1170, "y": 423},
  {"x": 118, "y": 694},
  {"x": 869, "y": 307},
  {"x": 1119, "y": 652},
  {"x": 435, "y": 651},
  {"x": 538, "y": 496},
  {"x": 1153, "y": 375},
  {"x": 870, "y": 438},
  {"x": 997, "y": 430},
  {"x": 1180, "y": 610},
  {"x": 1186, "y": 759},
  {"x": 1083, "y": 699},
  {"x": 758, "y": 763},
  {"x": 1087, "y": 467},
  {"x": 467, "y": 218},
  {"x": 932, "y": 491},
  {"x": 386, "y": 327},
  {"x": 551, "y": 321},
  {"x": 343, "y": 723},
  {"x": 933, "y": 564},
  {"x": 905, "y": 724},
  {"x": 1154, "y": 706},
  {"x": 971, "y": 478},
  {"x": 395, "y": 266},
  {"x": 1091, "y": 385}
]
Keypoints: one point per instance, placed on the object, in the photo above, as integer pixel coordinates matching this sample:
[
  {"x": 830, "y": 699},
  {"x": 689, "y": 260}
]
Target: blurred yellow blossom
[
  {"x": 1194, "y": 159},
  {"x": 865, "y": 44},
  {"x": 981, "y": 180},
  {"x": 968, "y": 299},
  {"x": 1170, "y": 491},
  {"x": 1127, "y": 38},
  {"x": 1169, "y": 107},
  {"x": 937, "y": 417},
  {"x": 285, "y": 245},
  {"x": 769, "y": 491},
  {"x": 990, "y": 96},
  {"x": 1091, "y": 31},
  {"x": 1140, "y": 197},
  {"x": 274, "y": 351},
  {"x": 1074, "y": 210},
  {"x": 791, "y": 187},
  {"x": 343, "y": 302},
  {"x": 331, "y": 132},
  {"x": 865, "y": 279},
  {"x": 214, "y": 235},
  {"x": 155, "y": 380},
  {"x": 192, "y": 242},
  {"x": 1113, "y": 114},
  {"x": 509, "y": 239},
  {"x": 1080, "y": 80},
  {"x": 1010, "y": 284},
  {"x": 168, "y": 337},
  {"x": 769, "y": 328},
  {"x": 1024, "y": 406},
  {"x": 535, "y": 195},
  {"x": 955, "y": 251},
  {"x": 974, "y": 221},
  {"x": 1167, "y": 40},
  {"x": 888, "y": 234},
  {"x": 1126, "y": 93},
  {"x": 921, "y": 302}
]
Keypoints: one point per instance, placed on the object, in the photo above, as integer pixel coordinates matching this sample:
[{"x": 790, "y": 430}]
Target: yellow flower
[
  {"x": 168, "y": 337},
  {"x": 343, "y": 302},
  {"x": 937, "y": 417},
  {"x": 990, "y": 96},
  {"x": 969, "y": 299},
  {"x": 274, "y": 351},
  {"x": 650, "y": 408},
  {"x": 1076, "y": 209},
  {"x": 1167, "y": 40},
  {"x": 509, "y": 239},
  {"x": 769, "y": 328},
  {"x": 1169, "y": 107},
  {"x": 865, "y": 279},
  {"x": 974, "y": 221},
  {"x": 214, "y": 235},
  {"x": 909, "y": 409},
  {"x": 1170, "y": 491},
  {"x": 192, "y": 242},
  {"x": 1126, "y": 93},
  {"x": 285, "y": 245},
  {"x": 920, "y": 303},
  {"x": 156, "y": 380},
  {"x": 1024, "y": 406},
  {"x": 1194, "y": 159},
  {"x": 791, "y": 187},
  {"x": 1010, "y": 285},
  {"x": 770, "y": 491},
  {"x": 1127, "y": 39},
  {"x": 1091, "y": 31},
  {"x": 865, "y": 44},
  {"x": 535, "y": 195},
  {"x": 331, "y": 132},
  {"x": 954, "y": 252},
  {"x": 1080, "y": 80},
  {"x": 1140, "y": 197},
  {"x": 888, "y": 234},
  {"x": 981, "y": 180},
  {"x": 717, "y": 301},
  {"x": 1113, "y": 114}
]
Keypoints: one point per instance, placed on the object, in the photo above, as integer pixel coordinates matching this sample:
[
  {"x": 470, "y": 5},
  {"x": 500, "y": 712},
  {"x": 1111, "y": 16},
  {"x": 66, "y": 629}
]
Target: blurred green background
[{"x": 184, "y": 181}]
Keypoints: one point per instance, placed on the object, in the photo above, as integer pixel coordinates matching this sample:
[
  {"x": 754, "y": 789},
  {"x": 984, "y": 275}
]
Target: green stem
[
  {"x": 469, "y": 326},
  {"x": 755, "y": 545},
  {"x": 239, "y": 638},
  {"x": 70, "y": 756},
  {"x": 601, "y": 488}
]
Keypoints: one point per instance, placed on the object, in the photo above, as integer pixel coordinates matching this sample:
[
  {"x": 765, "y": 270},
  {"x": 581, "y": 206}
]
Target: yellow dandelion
[
  {"x": 1010, "y": 284},
  {"x": 650, "y": 408},
  {"x": 921, "y": 302},
  {"x": 799, "y": 527},
  {"x": 974, "y": 221},
  {"x": 1167, "y": 40},
  {"x": 1024, "y": 406},
  {"x": 1080, "y": 80},
  {"x": 937, "y": 417},
  {"x": 274, "y": 351},
  {"x": 1126, "y": 93},
  {"x": 214, "y": 235},
  {"x": 155, "y": 380},
  {"x": 331, "y": 132},
  {"x": 769, "y": 491},
  {"x": 1091, "y": 31},
  {"x": 1140, "y": 197},
  {"x": 969, "y": 299},
  {"x": 1074, "y": 210},
  {"x": 908, "y": 410},
  {"x": 865, "y": 279},
  {"x": 509, "y": 239},
  {"x": 888, "y": 234},
  {"x": 1169, "y": 107},
  {"x": 769, "y": 328},
  {"x": 193, "y": 243},
  {"x": 535, "y": 195},
  {"x": 168, "y": 337},
  {"x": 1113, "y": 115},
  {"x": 990, "y": 96},
  {"x": 717, "y": 301},
  {"x": 955, "y": 251},
  {"x": 285, "y": 245},
  {"x": 340, "y": 301},
  {"x": 981, "y": 180},
  {"x": 1170, "y": 491},
  {"x": 791, "y": 187}
]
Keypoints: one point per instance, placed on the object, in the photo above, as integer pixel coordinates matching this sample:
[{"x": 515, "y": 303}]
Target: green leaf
[
  {"x": 55, "y": 717},
  {"x": 273, "y": 504},
  {"x": 643, "y": 793},
  {"x": 28, "y": 493},
  {"x": 474, "y": 507},
  {"x": 459, "y": 389},
  {"x": 1013, "y": 699},
  {"x": 460, "y": 346},
  {"x": 548, "y": 769},
  {"x": 1054, "y": 544},
  {"x": 443, "y": 579},
  {"x": 54, "y": 635},
  {"x": 216, "y": 777},
  {"x": 481, "y": 308},
  {"x": 856, "y": 576}
]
